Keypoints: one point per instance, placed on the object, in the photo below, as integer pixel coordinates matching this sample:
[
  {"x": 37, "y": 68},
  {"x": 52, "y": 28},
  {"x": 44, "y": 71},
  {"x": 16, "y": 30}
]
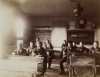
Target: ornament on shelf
[{"x": 77, "y": 10}]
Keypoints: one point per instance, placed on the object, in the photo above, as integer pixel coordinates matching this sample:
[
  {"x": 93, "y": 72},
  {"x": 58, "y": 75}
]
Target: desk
[
  {"x": 18, "y": 66},
  {"x": 82, "y": 61}
]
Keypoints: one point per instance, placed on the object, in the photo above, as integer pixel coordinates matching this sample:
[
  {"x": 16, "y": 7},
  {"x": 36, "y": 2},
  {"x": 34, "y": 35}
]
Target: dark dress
[
  {"x": 66, "y": 52},
  {"x": 50, "y": 55},
  {"x": 21, "y": 52},
  {"x": 41, "y": 51},
  {"x": 96, "y": 53},
  {"x": 82, "y": 51},
  {"x": 30, "y": 51}
]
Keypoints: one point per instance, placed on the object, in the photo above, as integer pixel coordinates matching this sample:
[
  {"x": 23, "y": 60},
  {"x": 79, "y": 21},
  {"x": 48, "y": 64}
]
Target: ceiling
[{"x": 59, "y": 8}]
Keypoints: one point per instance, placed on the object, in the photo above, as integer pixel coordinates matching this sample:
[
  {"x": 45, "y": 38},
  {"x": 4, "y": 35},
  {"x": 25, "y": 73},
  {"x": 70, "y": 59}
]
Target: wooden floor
[{"x": 82, "y": 72}]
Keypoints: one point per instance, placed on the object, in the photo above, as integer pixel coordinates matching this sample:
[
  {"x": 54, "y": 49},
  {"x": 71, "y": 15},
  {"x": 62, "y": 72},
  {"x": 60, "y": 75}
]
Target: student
[
  {"x": 31, "y": 49},
  {"x": 50, "y": 53},
  {"x": 82, "y": 49},
  {"x": 65, "y": 56},
  {"x": 64, "y": 44},
  {"x": 40, "y": 51},
  {"x": 95, "y": 48},
  {"x": 20, "y": 50},
  {"x": 74, "y": 47}
]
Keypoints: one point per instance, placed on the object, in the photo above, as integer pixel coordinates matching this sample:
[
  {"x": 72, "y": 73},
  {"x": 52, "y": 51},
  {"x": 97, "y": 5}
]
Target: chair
[{"x": 97, "y": 60}]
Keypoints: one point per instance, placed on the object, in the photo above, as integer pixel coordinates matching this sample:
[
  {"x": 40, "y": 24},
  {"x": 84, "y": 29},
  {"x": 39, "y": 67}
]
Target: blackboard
[{"x": 86, "y": 36}]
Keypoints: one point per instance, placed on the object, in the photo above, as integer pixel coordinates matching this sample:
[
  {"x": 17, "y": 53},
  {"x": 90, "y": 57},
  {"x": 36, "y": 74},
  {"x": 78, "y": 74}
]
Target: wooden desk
[
  {"x": 18, "y": 66},
  {"x": 82, "y": 61}
]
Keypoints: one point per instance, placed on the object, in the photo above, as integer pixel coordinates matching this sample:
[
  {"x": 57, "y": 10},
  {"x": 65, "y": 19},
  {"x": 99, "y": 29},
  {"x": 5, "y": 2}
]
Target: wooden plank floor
[{"x": 82, "y": 72}]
